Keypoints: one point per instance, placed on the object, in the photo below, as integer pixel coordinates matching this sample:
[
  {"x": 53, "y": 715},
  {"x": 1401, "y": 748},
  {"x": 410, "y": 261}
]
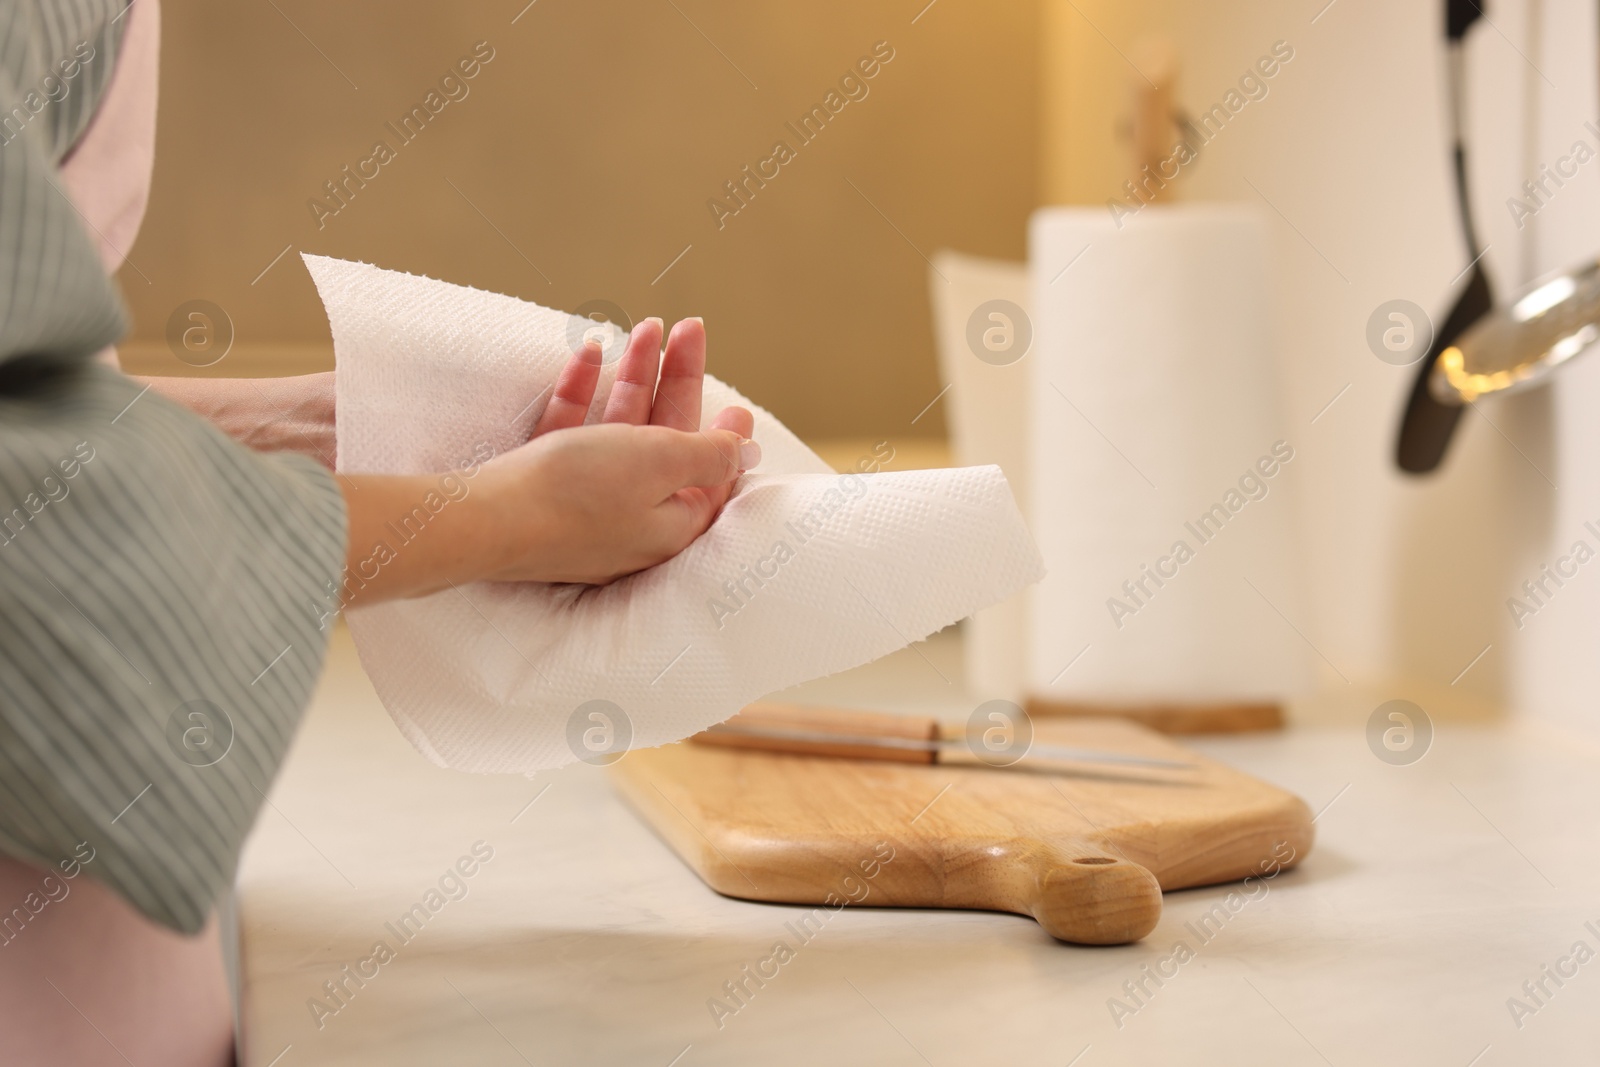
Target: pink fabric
[
  {"x": 84, "y": 978},
  {"x": 107, "y": 173}
]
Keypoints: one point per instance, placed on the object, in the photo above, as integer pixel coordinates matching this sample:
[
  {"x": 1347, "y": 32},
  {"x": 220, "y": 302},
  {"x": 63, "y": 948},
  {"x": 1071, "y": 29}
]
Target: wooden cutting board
[{"x": 1087, "y": 852}]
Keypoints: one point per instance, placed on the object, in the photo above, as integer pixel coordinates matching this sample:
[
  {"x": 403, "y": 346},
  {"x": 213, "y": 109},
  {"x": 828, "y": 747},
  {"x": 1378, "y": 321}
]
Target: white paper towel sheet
[{"x": 805, "y": 573}]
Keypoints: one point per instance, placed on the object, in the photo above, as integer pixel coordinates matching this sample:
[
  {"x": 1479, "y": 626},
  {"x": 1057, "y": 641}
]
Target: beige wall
[
  {"x": 593, "y": 140},
  {"x": 1407, "y": 578},
  {"x": 1085, "y": 94}
]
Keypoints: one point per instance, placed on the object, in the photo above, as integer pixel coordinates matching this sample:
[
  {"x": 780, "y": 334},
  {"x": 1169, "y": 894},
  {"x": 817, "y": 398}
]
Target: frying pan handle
[
  {"x": 1459, "y": 15},
  {"x": 1428, "y": 425}
]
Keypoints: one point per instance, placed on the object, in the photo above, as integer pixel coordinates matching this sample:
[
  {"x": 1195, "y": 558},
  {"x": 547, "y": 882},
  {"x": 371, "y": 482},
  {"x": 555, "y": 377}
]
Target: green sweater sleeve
[{"x": 164, "y": 592}]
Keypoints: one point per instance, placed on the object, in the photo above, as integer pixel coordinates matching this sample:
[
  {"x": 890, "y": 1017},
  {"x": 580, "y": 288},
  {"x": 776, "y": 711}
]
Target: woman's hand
[
  {"x": 293, "y": 414},
  {"x": 594, "y": 504},
  {"x": 577, "y": 503}
]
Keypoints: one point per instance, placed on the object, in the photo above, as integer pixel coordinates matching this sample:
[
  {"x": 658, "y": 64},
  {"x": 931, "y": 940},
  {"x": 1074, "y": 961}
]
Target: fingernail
[
  {"x": 655, "y": 319},
  {"x": 695, "y": 318},
  {"x": 749, "y": 455}
]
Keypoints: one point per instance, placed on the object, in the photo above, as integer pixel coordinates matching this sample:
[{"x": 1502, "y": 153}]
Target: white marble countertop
[{"x": 1434, "y": 892}]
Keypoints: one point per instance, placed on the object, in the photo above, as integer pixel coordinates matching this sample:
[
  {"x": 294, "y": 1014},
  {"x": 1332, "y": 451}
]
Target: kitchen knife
[{"x": 901, "y": 738}]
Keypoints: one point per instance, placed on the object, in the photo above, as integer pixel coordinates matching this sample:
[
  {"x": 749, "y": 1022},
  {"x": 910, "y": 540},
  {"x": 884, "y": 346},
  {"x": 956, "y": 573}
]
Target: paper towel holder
[
  {"x": 1158, "y": 128},
  {"x": 1160, "y": 132}
]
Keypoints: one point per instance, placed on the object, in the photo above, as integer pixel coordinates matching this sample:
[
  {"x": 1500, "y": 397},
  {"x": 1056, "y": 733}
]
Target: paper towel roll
[
  {"x": 987, "y": 409},
  {"x": 1160, "y": 469}
]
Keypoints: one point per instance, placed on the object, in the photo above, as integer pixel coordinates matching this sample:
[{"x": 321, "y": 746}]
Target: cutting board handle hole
[{"x": 1091, "y": 860}]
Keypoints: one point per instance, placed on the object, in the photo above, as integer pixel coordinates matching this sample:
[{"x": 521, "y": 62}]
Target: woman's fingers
[
  {"x": 683, "y": 375},
  {"x": 707, "y": 474},
  {"x": 742, "y": 423},
  {"x": 739, "y": 420},
  {"x": 675, "y": 402},
  {"x": 574, "y": 391},
  {"x": 697, "y": 459},
  {"x": 635, "y": 388}
]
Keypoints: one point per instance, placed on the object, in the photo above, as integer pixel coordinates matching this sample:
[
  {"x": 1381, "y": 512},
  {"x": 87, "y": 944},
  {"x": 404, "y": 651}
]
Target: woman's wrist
[
  {"x": 495, "y": 525},
  {"x": 411, "y": 535}
]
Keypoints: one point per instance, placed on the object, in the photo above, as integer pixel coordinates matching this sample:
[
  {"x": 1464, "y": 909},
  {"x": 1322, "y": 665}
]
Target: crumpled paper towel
[{"x": 806, "y": 572}]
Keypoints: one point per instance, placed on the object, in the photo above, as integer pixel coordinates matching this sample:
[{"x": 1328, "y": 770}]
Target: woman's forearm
[
  {"x": 410, "y": 535},
  {"x": 293, "y": 414}
]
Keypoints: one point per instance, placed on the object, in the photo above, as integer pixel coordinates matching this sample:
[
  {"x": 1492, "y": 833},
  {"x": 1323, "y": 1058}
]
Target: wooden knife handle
[{"x": 839, "y": 721}]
